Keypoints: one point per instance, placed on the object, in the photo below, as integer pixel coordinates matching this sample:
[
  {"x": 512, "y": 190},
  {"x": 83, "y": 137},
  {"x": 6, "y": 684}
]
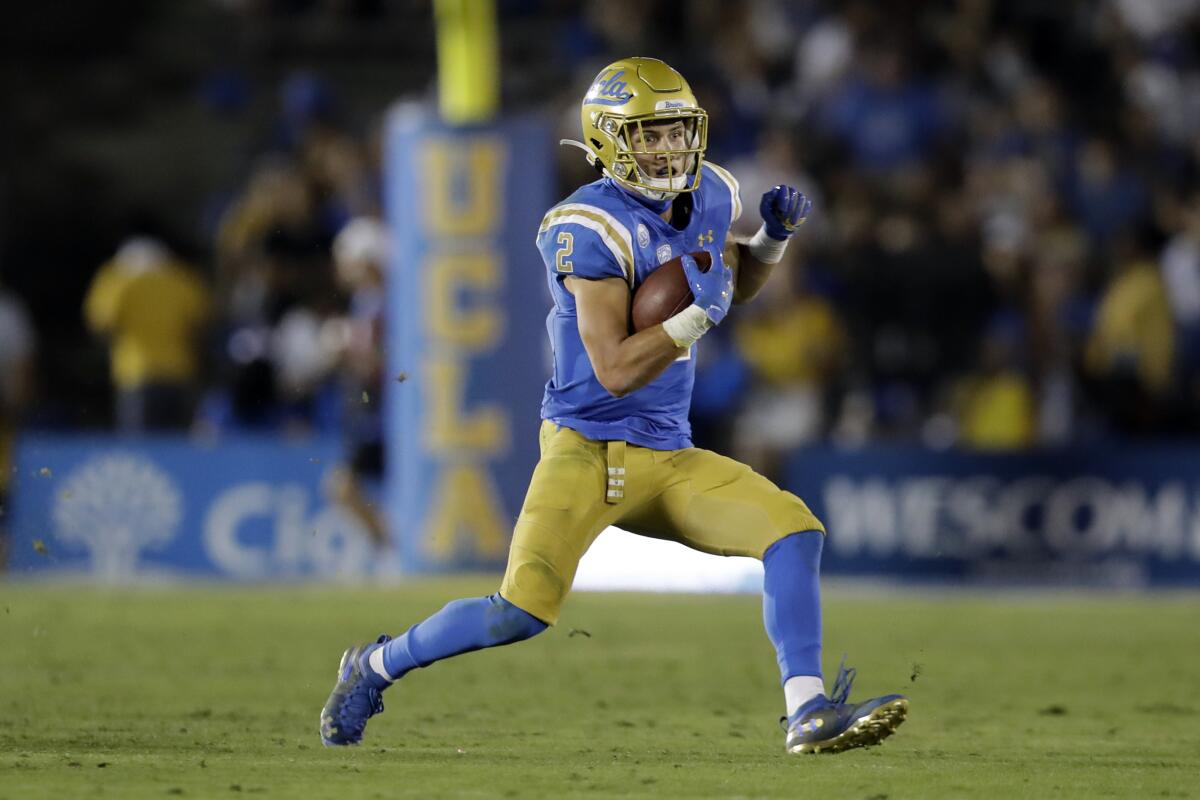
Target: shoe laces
[
  {"x": 362, "y": 690},
  {"x": 353, "y": 722},
  {"x": 843, "y": 682},
  {"x": 376, "y": 698}
]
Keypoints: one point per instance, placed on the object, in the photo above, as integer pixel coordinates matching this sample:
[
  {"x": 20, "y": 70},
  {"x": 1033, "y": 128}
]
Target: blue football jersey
[{"x": 601, "y": 231}]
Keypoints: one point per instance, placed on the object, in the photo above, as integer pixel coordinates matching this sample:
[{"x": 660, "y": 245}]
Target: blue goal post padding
[{"x": 467, "y": 351}]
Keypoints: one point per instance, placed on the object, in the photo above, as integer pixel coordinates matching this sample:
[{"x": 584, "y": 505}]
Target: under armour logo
[{"x": 812, "y": 726}]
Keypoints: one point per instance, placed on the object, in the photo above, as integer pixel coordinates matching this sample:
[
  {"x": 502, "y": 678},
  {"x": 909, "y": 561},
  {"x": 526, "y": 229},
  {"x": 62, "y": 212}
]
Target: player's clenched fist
[{"x": 783, "y": 210}]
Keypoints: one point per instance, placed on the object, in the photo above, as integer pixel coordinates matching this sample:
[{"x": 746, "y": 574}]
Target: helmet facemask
[{"x": 675, "y": 169}]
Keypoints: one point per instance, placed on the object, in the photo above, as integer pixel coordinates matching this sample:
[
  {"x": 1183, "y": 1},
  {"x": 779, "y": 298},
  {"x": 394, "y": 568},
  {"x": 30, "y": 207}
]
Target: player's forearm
[
  {"x": 752, "y": 275},
  {"x": 636, "y": 361},
  {"x": 783, "y": 210}
]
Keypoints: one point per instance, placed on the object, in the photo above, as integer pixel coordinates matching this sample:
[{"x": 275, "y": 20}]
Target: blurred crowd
[
  {"x": 1006, "y": 246},
  {"x": 1005, "y": 250},
  {"x": 283, "y": 333}
]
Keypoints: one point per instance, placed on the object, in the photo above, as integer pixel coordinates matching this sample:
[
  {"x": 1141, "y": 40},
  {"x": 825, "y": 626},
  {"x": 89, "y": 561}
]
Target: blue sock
[
  {"x": 792, "y": 602},
  {"x": 462, "y": 626}
]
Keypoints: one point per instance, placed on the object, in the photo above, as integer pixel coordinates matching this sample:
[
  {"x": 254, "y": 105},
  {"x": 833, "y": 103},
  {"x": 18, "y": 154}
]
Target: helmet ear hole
[{"x": 597, "y": 144}]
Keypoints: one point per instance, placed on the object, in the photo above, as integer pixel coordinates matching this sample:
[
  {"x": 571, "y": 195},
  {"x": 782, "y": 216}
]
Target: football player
[{"x": 616, "y": 445}]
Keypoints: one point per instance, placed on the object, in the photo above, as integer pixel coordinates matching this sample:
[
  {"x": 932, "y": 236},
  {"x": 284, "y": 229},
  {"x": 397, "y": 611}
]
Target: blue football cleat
[
  {"x": 831, "y": 725},
  {"x": 355, "y": 698}
]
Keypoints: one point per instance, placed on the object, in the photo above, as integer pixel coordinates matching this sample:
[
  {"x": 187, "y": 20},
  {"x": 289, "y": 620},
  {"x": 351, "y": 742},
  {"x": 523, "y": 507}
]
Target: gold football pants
[{"x": 580, "y": 487}]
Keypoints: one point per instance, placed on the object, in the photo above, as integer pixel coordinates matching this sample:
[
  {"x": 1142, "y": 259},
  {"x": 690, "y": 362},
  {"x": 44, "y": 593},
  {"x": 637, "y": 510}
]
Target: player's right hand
[
  {"x": 783, "y": 209},
  {"x": 712, "y": 290}
]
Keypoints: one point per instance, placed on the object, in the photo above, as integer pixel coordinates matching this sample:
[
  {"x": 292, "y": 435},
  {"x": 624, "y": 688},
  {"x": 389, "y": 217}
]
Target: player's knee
[
  {"x": 507, "y": 623},
  {"x": 792, "y": 520}
]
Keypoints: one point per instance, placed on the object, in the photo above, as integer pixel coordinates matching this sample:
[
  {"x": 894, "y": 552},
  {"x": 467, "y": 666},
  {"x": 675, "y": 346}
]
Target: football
[{"x": 665, "y": 292}]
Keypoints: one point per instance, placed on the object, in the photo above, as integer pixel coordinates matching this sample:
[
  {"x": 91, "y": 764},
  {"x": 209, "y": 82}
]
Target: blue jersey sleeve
[
  {"x": 585, "y": 242},
  {"x": 725, "y": 178}
]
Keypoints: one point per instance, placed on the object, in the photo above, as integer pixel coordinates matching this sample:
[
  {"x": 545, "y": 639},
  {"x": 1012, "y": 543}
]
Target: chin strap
[
  {"x": 646, "y": 197},
  {"x": 655, "y": 195}
]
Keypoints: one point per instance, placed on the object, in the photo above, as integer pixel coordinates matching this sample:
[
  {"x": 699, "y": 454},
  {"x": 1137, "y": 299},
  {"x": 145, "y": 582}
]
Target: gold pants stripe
[{"x": 616, "y": 472}]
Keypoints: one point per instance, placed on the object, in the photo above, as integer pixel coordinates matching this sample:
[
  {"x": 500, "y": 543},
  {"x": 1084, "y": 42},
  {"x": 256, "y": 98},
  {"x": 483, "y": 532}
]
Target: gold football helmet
[{"x": 628, "y": 94}]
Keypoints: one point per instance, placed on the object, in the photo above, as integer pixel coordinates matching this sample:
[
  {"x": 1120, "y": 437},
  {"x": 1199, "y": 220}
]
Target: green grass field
[{"x": 215, "y": 692}]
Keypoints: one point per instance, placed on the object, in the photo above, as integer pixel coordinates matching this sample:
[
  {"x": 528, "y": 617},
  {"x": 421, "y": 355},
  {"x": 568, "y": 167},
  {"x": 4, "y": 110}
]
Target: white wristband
[
  {"x": 686, "y": 327},
  {"x": 764, "y": 248}
]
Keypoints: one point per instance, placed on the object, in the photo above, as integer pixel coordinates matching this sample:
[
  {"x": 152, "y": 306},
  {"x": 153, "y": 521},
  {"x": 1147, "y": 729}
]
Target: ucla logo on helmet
[
  {"x": 663, "y": 105},
  {"x": 609, "y": 89}
]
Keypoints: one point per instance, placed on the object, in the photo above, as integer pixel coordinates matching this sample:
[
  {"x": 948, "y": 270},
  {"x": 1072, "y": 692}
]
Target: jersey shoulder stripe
[
  {"x": 610, "y": 230},
  {"x": 731, "y": 183}
]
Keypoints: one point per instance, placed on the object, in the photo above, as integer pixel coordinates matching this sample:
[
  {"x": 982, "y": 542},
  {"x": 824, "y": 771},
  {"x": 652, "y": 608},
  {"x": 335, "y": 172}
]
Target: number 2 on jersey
[{"x": 566, "y": 241}]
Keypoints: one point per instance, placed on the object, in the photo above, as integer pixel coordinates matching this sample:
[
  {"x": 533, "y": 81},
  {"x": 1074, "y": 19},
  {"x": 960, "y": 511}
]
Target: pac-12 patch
[
  {"x": 663, "y": 253},
  {"x": 643, "y": 236}
]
